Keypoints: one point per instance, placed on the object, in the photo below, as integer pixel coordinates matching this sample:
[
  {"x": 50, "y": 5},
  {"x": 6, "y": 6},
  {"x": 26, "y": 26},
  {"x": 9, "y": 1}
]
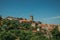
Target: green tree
[
  {"x": 0, "y": 20},
  {"x": 25, "y": 25},
  {"x": 7, "y": 36},
  {"x": 0, "y": 17},
  {"x": 38, "y": 36},
  {"x": 55, "y": 33}
]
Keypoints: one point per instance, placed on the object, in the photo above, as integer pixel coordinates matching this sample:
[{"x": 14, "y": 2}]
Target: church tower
[{"x": 31, "y": 18}]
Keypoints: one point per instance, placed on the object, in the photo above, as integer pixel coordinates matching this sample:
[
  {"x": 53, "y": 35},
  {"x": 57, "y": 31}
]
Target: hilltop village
[
  {"x": 12, "y": 28},
  {"x": 33, "y": 23}
]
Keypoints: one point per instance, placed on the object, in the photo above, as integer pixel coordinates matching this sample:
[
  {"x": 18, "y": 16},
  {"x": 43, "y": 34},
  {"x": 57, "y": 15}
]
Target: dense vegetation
[{"x": 13, "y": 30}]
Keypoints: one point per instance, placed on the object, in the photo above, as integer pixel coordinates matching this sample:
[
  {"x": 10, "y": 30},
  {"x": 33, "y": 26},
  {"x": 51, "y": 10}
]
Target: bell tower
[{"x": 31, "y": 18}]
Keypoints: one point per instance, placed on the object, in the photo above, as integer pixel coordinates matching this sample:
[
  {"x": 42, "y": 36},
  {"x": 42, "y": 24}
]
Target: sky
[{"x": 46, "y": 11}]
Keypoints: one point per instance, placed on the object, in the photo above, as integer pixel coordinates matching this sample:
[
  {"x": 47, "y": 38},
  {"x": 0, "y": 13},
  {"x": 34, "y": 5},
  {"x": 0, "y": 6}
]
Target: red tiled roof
[{"x": 43, "y": 25}]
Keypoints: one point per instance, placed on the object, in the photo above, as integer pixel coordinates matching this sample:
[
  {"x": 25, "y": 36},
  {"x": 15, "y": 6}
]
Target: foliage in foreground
[{"x": 9, "y": 30}]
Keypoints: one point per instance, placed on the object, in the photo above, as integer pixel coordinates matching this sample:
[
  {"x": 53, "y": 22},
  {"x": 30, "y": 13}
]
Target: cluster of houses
[{"x": 34, "y": 23}]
